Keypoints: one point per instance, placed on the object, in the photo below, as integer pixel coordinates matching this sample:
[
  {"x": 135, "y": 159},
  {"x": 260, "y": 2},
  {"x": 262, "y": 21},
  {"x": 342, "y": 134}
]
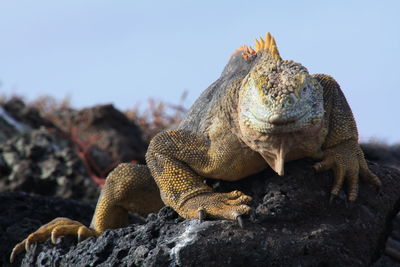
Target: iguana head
[
  {"x": 279, "y": 96},
  {"x": 280, "y": 105}
]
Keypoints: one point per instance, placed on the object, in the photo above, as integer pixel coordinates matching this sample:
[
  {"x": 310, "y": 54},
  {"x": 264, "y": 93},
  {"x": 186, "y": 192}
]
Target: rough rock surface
[
  {"x": 6, "y": 126},
  {"x": 24, "y": 114},
  {"x": 37, "y": 157},
  {"x": 40, "y": 162},
  {"x": 118, "y": 136},
  {"x": 383, "y": 154},
  {"x": 291, "y": 225},
  {"x": 20, "y": 214},
  {"x": 16, "y": 117}
]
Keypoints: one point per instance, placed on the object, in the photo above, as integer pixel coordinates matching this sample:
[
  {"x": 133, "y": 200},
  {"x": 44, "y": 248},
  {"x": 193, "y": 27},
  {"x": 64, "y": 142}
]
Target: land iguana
[{"x": 263, "y": 111}]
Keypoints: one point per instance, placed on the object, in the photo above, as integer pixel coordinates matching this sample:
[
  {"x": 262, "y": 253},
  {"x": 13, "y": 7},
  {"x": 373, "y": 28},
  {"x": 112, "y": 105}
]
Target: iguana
[{"x": 263, "y": 111}]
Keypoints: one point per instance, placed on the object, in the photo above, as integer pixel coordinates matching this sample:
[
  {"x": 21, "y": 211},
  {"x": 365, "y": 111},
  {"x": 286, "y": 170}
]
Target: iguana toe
[
  {"x": 53, "y": 230},
  {"x": 216, "y": 205},
  {"x": 348, "y": 163}
]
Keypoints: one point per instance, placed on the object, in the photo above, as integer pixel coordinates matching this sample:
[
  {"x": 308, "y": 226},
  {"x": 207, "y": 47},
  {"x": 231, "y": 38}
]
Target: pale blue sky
[{"x": 124, "y": 52}]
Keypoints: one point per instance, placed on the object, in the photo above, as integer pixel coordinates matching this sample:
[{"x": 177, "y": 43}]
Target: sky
[{"x": 125, "y": 52}]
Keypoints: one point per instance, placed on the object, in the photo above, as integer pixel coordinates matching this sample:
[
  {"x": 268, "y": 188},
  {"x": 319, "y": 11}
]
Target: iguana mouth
[
  {"x": 280, "y": 119},
  {"x": 281, "y": 124}
]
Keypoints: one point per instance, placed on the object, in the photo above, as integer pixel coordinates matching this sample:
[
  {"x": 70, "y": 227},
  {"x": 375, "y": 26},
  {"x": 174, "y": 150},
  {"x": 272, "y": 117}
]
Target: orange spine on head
[
  {"x": 268, "y": 44},
  {"x": 246, "y": 51}
]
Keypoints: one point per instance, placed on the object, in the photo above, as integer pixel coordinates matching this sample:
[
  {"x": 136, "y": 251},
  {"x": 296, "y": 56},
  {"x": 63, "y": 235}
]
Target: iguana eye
[{"x": 304, "y": 88}]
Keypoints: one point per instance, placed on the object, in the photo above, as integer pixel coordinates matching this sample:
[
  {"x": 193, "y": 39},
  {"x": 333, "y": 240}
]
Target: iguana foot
[
  {"x": 347, "y": 162},
  {"x": 54, "y": 229},
  {"x": 228, "y": 206}
]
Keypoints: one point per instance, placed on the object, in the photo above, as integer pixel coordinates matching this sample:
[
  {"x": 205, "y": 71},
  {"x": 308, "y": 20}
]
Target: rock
[
  {"x": 386, "y": 261},
  {"x": 7, "y": 129},
  {"x": 21, "y": 214},
  {"x": 25, "y": 115},
  {"x": 41, "y": 162},
  {"x": 291, "y": 224},
  {"x": 119, "y": 137},
  {"x": 9, "y": 126},
  {"x": 382, "y": 154}
]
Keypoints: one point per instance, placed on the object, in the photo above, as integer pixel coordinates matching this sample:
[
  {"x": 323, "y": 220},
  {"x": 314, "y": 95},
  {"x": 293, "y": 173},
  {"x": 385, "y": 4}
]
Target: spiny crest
[
  {"x": 246, "y": 51},
  {"x": 268, "y": 44}
]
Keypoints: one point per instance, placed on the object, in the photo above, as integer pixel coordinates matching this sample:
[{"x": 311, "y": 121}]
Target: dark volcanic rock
[
  {"x": 118, "y": 136},
  {"x": 291, "y": 225},
  {"x": 7, "y": 129},
  {"x": 383, "y": 154},
  {"x": 40, "y": 162},
  {"x": 16, "y": 117},
  {"x": 27, "y": 115},
  {"x": 20, "y": 214}
]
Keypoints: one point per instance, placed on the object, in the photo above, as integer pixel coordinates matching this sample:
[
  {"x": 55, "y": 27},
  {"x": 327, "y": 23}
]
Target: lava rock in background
[
  {"x": 382, "y": 153},
  {"x": 118, "y": 136},
  {"x": 41, "y": 162},
  {"x": 291, "y": 224},
  {"x": 44, "y": 162},
  {"x": 27, "y": 115},
  {"x": 10, "y": 127},
  {"x": 7, "y": 130}
]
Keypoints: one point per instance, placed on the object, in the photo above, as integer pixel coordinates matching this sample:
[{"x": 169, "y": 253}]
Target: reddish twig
[{"x": 82, "y": 150}]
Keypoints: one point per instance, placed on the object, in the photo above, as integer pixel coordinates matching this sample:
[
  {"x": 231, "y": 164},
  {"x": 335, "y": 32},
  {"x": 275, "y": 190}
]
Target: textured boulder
[
  {"x": 20, "y": 214},
  {"x": 118, "y": 136},
  {"x": 37, "y": 156},
  {"x": 41, "y": 162},
  {"x": 7, "y": 125},
  {"x": 383, "y": 154},
  {"x": 16, "y": 118},
  {"x": 291, "y": 224},
  {"x": 25, "y": 115}
]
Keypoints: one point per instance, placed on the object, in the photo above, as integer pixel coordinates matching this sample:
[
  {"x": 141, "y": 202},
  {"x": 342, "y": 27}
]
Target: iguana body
[{"x": 262, "y": 112}]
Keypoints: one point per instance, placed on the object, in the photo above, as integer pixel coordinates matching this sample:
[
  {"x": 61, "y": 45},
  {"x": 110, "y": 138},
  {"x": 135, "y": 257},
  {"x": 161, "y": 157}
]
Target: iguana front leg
[
  {"x": 341, "y": 150},
  {"x": 348, "y": 163},
  {"x": 177, "y": 160}
]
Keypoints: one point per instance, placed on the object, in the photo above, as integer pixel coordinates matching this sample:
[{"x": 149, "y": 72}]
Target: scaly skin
[{"x": 262, "y": 112}]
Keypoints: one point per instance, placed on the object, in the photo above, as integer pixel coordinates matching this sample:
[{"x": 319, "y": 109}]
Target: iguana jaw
[{"x": 276, "y": 149}]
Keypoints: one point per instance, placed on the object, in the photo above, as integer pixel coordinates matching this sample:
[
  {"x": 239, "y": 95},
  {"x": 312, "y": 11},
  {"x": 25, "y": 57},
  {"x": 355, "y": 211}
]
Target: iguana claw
[
  {"x": 202, "y": 215},
  {"x": 240, "y": 221}
]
